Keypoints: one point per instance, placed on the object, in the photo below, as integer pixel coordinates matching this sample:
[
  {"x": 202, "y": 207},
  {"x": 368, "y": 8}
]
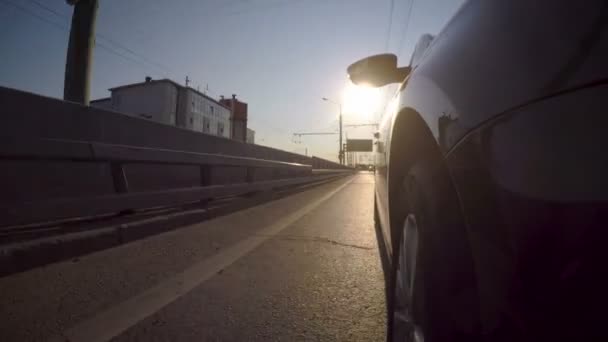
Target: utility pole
[
  {"x": 299, "y": 136},
  {"x": 340, "y": 148},
  {"x": 341, "y": 155},
  {"x": 77, "y": 82}
]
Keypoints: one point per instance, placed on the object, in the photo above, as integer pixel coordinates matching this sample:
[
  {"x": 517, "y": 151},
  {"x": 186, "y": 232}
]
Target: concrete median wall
[
  {"x": 26, "y": 115},
  {"x": 24, "y": 181},
  {"x": 29, "y": 115}
]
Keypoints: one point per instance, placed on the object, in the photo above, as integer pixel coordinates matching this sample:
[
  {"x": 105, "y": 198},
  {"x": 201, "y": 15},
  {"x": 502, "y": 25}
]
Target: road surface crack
[{"x": 317, "y": 239}]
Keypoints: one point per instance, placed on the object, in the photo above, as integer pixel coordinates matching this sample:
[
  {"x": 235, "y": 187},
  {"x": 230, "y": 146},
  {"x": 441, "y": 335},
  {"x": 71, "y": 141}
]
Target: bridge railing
[
  {"x": 109, "y": 165},
  {"x": 63, "y": 160},
  {"x": 29, "y": 115}
]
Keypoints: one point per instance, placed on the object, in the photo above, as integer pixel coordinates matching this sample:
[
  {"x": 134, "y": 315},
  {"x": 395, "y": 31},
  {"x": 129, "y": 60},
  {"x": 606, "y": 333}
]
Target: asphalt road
[{"x": 303, "y": 268}]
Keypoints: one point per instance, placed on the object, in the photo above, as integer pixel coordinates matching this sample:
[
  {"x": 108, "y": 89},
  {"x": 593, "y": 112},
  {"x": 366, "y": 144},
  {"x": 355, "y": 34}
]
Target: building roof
[
  {"x": 100, "y": 100},
  {"x": 163, "y": 80},
  {"x": 206, "y": 96},
  {"x": 166, "y": 80}
]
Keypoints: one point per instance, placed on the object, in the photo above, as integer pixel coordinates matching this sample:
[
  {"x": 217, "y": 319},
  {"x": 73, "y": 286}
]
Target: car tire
[
  {"x": 376, "y": 215},
  {"x": 427, "y": 271}
]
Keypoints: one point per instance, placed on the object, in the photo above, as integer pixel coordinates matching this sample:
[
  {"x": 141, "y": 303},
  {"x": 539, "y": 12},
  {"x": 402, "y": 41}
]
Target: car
[{"x": 491, "y": 183}]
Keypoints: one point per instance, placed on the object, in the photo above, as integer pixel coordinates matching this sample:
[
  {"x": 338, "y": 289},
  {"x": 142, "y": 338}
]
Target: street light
[{"x": 340, "y": 150}]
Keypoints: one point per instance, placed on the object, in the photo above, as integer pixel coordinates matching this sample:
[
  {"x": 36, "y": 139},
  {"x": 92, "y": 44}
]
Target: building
[
  {"x": 105, "y": 103},
  {"x": 168, "y": 102},
  {"x": 239, "y": 117},
  {"x": 250, "y": 136},
  {"x": 202, "y": 113}
]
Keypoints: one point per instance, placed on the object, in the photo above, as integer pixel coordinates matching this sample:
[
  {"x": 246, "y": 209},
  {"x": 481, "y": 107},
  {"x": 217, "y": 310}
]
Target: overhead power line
[
  {"x": 143, "y": 58},
  {"x": 261, "y": 7},
  {"x": 65, "y": 28},
  {"x": 407, "y": 24},
  {"x": 33, "y": 14},
  {"x": 110, "y": 41},
  {"x": 48, "y": 9},
  {"x": 390, "y": 24}
]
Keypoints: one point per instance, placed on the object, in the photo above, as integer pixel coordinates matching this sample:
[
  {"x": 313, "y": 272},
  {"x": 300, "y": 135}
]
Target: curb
[{"x": 22, "y": 256}]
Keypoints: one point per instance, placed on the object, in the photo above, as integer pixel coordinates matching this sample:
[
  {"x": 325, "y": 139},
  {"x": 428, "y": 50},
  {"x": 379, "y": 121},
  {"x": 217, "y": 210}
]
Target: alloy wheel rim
[{"x": 404, "y": 327}]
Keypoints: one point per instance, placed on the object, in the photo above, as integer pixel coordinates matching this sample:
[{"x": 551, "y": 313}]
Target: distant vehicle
[
  {"x": 491, "y": 194},
  {"x": 364, "y": 167}
]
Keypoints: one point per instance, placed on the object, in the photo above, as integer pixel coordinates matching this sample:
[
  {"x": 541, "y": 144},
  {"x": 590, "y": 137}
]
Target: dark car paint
[
  {"x": 512, "y": 94},
  {"x": 533, "y": 185}
]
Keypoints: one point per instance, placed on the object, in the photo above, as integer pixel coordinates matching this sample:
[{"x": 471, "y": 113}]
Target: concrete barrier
[{"x": 29, "y": 115}]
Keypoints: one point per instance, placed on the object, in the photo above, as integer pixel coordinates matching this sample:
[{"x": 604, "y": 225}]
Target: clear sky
[{"x": 280, "y": 56}]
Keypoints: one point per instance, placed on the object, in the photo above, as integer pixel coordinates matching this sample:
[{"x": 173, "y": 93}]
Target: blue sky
[{"x": 280, "y": 56}]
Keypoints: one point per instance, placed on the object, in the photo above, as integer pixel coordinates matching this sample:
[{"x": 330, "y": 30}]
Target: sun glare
[{"x": 360, "y": 102}]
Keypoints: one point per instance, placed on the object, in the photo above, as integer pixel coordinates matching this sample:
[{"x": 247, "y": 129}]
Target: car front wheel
[
  {"x": 432, "y": 292},
  {"x": 406, "y": 297}
]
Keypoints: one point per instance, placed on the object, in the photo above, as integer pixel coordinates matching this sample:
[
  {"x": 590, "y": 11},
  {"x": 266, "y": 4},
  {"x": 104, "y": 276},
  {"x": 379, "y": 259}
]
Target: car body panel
[
  {"x": 493, "y": 57},
  {"x": 511, "y": 92},
  {"x": 534, "y": 193}
]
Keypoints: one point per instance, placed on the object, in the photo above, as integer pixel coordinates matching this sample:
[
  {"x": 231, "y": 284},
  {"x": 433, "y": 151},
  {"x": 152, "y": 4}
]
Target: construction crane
[
  {"x": 297, "y": 139},
  {"x": 297, "y": 136},
  {"x": 375, "y": 125}
]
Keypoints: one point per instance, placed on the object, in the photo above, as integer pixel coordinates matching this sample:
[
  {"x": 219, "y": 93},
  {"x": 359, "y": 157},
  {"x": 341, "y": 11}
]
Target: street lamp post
[
  {"x": 79, "y": 59},
  {"x": 340, "y": 149}
]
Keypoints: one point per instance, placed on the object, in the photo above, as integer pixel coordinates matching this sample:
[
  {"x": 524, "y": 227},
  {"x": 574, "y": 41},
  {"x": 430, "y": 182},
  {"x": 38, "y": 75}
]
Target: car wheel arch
[
  {"x": 414, "y": 150},
  {"x": 411, "y": 142}
]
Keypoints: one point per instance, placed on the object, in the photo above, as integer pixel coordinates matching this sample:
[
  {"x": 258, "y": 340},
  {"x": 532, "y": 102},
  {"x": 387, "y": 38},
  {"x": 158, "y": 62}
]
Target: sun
[{"x": 360, "y": 102}]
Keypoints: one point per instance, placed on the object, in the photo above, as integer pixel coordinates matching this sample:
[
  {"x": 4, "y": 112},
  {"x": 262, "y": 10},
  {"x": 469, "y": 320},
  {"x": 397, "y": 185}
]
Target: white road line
[{"x": 119, "y": 318}]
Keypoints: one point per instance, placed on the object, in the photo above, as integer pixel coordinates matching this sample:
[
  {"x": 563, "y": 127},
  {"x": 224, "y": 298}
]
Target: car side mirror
[{"x": 377, "y": 71}]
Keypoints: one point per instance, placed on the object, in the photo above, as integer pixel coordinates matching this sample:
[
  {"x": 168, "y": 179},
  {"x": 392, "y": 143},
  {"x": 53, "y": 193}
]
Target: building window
[
  {"x": 211, "y": 110},
  {"x": 220, "y": 128},
  {"x": 191, "y": 120},
  {"x": 206, "y": 124}
]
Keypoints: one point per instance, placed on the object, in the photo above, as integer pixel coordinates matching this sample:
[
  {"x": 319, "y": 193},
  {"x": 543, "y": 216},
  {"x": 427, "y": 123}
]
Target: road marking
[{"x": 119, "y": 318}]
